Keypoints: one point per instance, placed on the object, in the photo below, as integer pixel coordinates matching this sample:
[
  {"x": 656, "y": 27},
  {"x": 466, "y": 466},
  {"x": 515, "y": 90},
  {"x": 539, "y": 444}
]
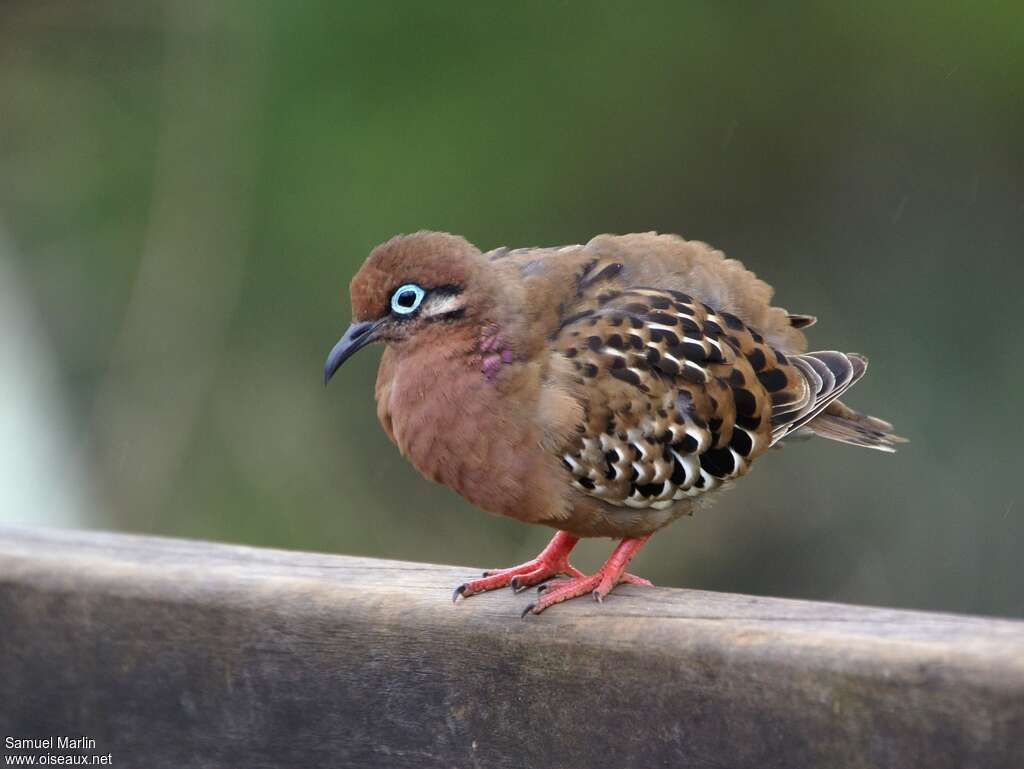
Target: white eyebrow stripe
[{"x": 441, "y": 304}]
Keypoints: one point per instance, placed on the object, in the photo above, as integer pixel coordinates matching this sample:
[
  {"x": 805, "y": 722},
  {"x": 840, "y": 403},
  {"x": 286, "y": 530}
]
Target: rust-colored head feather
[{"x": 429, "y": 259}]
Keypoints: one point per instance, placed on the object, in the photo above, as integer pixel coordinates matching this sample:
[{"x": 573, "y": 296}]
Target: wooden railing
[{"x": 178, "y": 654}]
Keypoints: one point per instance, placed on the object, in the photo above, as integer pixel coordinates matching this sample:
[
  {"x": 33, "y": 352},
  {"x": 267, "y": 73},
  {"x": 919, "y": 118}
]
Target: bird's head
[{"x": 409, "y": 285}]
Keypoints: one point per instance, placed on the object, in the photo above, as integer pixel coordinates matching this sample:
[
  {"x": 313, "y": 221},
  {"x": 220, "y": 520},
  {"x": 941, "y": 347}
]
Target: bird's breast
[{"x": 459, "y": 429}]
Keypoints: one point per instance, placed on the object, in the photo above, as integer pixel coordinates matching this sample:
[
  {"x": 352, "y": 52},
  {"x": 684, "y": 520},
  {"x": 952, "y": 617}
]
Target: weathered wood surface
[{"x": 188, "y": 654}]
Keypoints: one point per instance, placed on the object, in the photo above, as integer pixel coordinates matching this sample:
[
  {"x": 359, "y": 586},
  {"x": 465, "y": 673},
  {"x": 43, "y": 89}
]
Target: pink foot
[
  {"x": 552, "y": 561},
  {"x": 599, "y": 584}
]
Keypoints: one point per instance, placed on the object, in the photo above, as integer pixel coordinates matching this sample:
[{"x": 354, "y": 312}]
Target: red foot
[
  {"x": 598, "y": 584},
  {"x": 552, "y": 561}
]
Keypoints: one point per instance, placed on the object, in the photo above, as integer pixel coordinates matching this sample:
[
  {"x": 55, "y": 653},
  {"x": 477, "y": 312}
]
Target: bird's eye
[{"x": 406, "y": 299}]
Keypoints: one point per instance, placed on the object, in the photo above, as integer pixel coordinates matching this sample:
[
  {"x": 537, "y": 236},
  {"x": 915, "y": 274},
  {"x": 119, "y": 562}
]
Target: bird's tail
[
  {"x": 830, "y": 374},
  {"x": 841, "y": 423}
]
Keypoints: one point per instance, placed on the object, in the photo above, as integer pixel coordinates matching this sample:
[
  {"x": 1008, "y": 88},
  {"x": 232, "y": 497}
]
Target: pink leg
[
  {"x": 552, "y": 561},
  {"x": 599, "y": 584}
]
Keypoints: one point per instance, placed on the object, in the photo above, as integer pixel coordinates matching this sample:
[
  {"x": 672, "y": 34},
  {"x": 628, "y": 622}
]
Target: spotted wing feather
[{"x": 677, "y": 397}]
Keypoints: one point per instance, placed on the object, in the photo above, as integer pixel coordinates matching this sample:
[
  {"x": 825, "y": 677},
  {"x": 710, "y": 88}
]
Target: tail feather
[
  {"x": 829, "y": 374},
  {"x": 797, "y": 320},
  {"x": 840, "y": 423}
]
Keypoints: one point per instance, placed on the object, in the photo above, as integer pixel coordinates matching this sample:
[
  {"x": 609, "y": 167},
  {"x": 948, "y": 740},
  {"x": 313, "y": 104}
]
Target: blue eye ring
[{"x": 402, "y": 304}]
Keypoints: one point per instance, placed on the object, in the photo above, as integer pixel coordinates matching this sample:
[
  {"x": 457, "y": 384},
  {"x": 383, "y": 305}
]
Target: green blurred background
[{"x": 186, "y": 189}]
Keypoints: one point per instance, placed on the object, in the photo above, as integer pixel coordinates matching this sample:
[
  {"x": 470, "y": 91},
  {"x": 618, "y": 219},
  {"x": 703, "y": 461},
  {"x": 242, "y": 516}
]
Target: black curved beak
[{"x": 356, "y": 337}]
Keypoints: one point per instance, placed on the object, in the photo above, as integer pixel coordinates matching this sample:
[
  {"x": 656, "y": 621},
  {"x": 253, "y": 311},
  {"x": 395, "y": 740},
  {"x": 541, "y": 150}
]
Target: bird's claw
[{"x": 544, "y": 570}]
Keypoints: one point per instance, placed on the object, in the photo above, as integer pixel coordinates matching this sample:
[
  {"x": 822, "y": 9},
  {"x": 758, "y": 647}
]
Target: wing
[{"x": 677, "y": 397}]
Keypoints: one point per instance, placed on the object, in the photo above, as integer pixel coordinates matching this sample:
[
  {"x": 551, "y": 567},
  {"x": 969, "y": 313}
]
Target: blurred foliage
[{"x": 191, "y": 185}]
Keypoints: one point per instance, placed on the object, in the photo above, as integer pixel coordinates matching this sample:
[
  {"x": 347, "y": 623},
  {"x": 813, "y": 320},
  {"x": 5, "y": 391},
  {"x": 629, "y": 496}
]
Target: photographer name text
[{"x": 49, "y": 743}]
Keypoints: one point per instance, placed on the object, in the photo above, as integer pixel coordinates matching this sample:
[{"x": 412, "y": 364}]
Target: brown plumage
[{"x": 601, "y": 389}]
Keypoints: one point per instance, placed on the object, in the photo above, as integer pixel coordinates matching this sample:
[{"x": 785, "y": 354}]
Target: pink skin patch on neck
[{"x": 494, "y": 352}]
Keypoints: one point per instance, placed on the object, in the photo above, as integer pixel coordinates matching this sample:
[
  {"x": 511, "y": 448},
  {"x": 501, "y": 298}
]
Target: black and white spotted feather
[{"x": 679, "y": 397}]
